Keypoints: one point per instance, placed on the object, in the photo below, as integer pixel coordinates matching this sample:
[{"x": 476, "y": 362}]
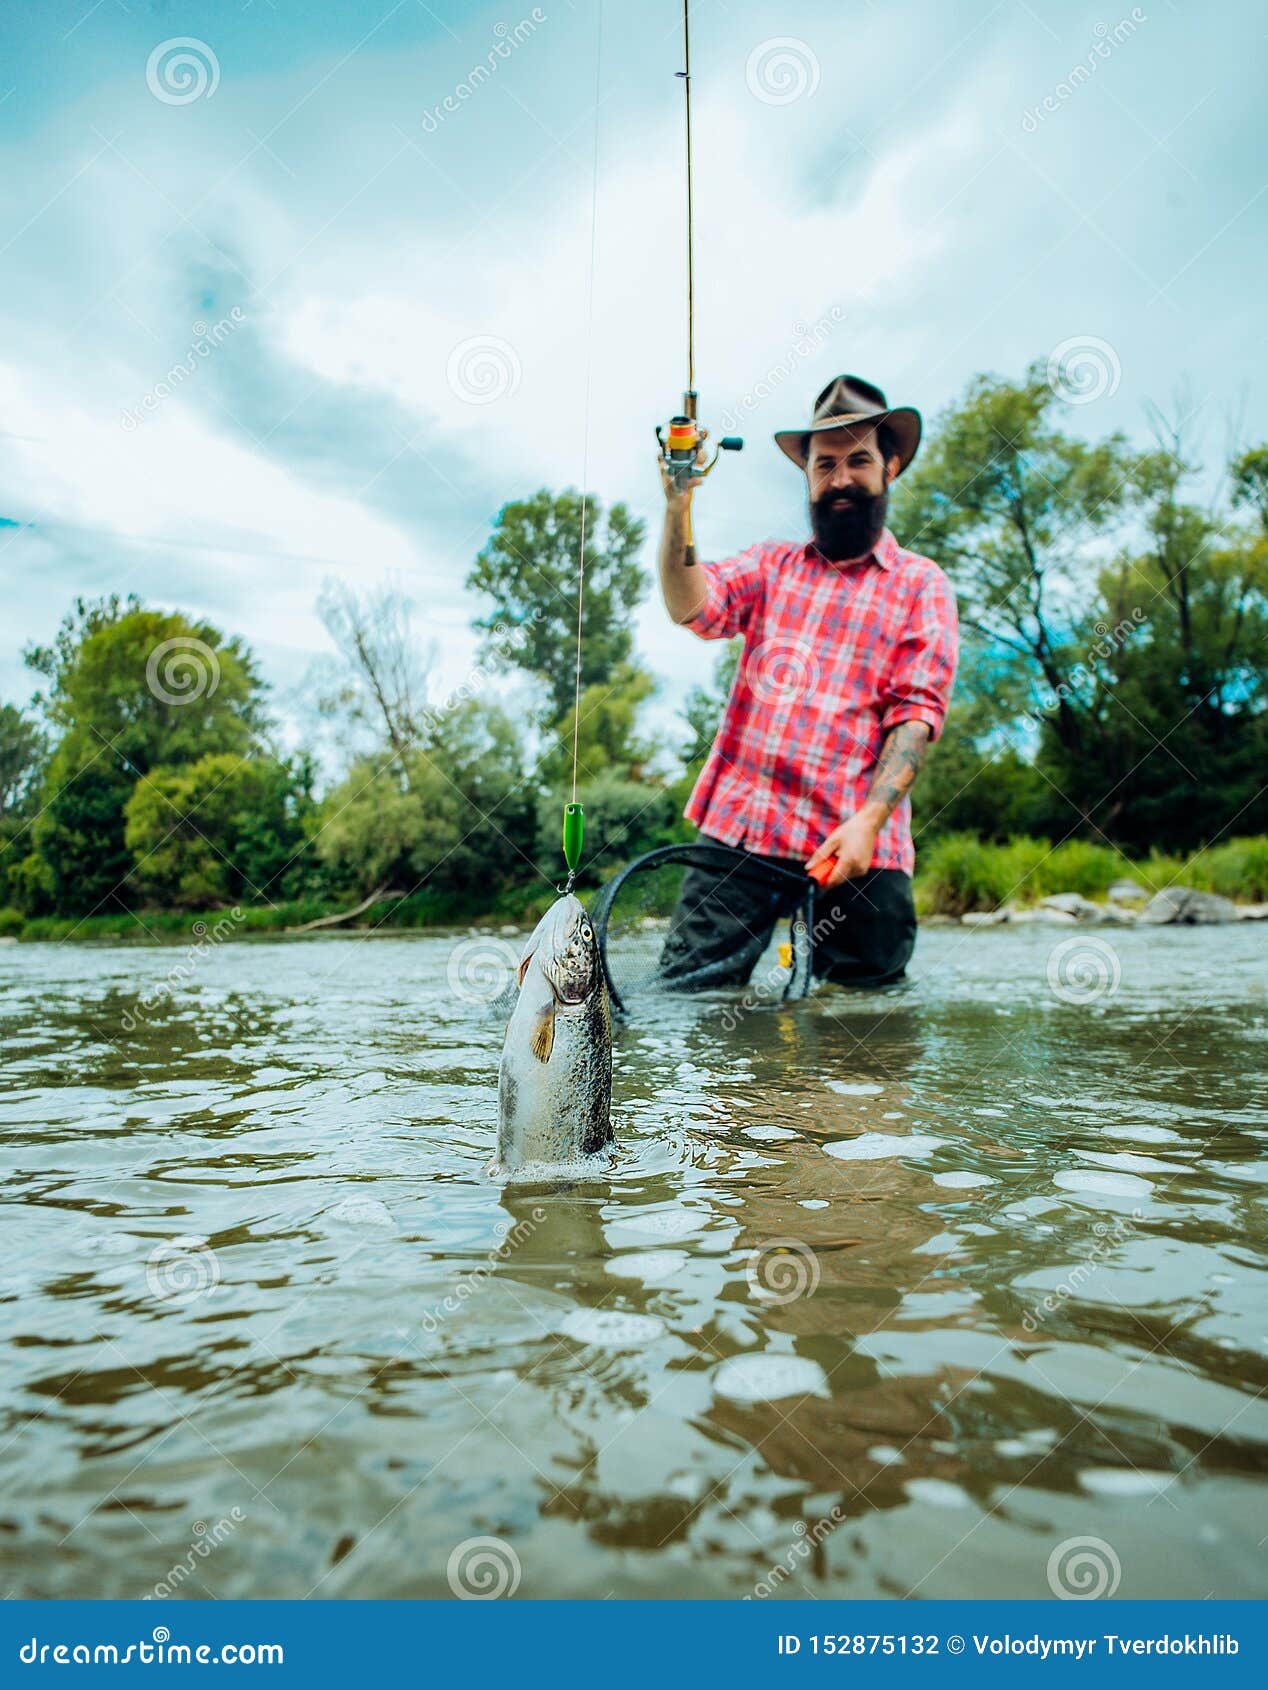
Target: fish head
[{"x": 566, "y": 949}]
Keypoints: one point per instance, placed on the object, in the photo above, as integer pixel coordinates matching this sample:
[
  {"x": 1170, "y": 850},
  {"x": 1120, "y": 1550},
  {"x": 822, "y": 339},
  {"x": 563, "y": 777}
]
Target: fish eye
[{"x": 587, "y": 932}]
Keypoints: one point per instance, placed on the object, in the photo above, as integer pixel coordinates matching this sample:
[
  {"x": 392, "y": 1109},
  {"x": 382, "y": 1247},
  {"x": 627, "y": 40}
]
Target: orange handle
[{"x": 821, "y": 871}]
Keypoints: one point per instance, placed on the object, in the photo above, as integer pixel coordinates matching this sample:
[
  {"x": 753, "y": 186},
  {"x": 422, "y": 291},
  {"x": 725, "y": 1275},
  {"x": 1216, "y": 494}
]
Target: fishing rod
[{"x": 680, "y": 449}]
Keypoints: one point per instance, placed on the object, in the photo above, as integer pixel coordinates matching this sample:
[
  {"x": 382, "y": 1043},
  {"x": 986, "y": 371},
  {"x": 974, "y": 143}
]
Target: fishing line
[
  {"x": 685, "y": 73},
  {"x": 574, "y": 818}
]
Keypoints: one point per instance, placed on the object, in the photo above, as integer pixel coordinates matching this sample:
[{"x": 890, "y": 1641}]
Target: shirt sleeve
[
  {"x": 923, "y": 670},
  {"x": 733, "y": 590}
]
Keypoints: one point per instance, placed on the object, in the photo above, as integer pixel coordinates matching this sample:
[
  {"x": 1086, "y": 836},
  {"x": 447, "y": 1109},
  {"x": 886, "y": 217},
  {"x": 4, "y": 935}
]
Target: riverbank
[{"x": 958, "y": 878}]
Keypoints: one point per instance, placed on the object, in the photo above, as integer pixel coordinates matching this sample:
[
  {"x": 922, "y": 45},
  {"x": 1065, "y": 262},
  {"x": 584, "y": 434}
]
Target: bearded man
[{"x": 850, "y": 647}]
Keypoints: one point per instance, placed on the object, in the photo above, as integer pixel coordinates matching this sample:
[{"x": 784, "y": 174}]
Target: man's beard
[{"x": 848, "y": 525}]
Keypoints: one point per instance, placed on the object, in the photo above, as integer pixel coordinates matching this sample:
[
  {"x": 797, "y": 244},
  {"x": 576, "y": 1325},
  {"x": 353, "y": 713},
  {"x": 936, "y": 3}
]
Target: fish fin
[
  {"x": 543, "y": 1040},
  {"x": 523, "y": 969}
]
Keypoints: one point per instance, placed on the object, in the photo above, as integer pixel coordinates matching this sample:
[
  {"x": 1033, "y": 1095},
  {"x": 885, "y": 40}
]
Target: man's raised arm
[{"x": 681, "y": 584}]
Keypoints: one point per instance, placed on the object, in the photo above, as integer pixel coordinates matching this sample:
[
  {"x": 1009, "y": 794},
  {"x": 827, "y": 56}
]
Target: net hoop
[{"x": 704, "y": 855}]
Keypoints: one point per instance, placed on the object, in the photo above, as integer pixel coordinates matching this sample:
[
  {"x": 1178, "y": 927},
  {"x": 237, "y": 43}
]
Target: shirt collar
[{"x": 884, "y": 552}]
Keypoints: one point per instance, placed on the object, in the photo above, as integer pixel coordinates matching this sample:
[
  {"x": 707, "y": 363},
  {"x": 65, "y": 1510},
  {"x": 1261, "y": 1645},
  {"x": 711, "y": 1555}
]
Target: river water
[{"x": 926, "y": 1286}]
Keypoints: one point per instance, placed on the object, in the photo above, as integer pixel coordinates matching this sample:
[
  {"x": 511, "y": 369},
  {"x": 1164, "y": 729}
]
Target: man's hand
[
  {"x": 675, "y": 498},
  {"x": 853, "y": 844}
]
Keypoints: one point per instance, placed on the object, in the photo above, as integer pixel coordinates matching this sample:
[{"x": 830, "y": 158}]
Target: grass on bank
[
  {"x": 959, "y": 874},
  {"x": 956, "y": 875}
]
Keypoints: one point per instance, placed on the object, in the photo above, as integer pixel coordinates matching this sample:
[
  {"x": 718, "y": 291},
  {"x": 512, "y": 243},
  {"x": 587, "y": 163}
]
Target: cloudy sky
[{"x": 391, "y": 255}]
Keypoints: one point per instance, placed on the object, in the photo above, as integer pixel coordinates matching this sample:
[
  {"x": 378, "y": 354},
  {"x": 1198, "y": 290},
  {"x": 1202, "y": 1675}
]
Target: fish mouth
[{"x": 569, "y": 997}]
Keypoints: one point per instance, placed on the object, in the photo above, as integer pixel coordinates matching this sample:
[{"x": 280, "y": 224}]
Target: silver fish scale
[{"x": 557, "y": 1110}]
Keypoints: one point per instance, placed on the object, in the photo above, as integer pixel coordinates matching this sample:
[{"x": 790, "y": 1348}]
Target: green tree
[
  {"x": 128, "y": 691},
  {"x": 221, "y": 830},
  {"x": 455, "y": 816},
  {"x": 22, "y": 757},
  {"x": 1014, "y": 510},
  {"x": 529, "y": 570},
  {"x": 607, "y": 731},
  {"x": 1178, "y": 698}
]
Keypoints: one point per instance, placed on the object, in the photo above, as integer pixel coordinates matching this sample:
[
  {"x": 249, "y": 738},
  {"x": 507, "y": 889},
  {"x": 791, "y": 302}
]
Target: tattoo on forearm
[{"x": 900, "y": 760}]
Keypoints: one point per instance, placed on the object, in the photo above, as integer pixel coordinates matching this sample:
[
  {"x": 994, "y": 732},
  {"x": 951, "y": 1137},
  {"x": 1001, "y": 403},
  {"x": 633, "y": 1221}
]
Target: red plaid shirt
[{"x": 835, "y": 655}]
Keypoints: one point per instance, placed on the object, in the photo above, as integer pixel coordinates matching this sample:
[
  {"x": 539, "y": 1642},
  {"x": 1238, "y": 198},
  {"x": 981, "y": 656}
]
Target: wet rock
[
  {"x": 1252, "y": 912},
  {"x": 1185, "y": 907},
  {"x": 1127, "y": 892},
  {"x": 984, "y": 918},
  {"x": 1085, "y": 911},
  {"x": 1043, "y": 917},
  {"x": 940, "y": 921},
  {"x": 1073, "y": 903}
]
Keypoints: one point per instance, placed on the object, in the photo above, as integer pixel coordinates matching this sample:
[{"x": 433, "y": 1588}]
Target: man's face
[{"x": 849, "y": 491}]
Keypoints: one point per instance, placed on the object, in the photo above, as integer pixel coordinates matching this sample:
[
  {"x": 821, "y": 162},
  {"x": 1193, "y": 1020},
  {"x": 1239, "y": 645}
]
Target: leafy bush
[
  {"x": 960, "y": 874},
  {"x": 1079, "y": 865},
  {"x": 1236, "y": 869},
  {"x": 11, "y": 923}
]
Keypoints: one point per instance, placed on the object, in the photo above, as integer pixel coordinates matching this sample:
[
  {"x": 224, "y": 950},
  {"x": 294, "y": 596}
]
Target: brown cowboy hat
[{"x": 847, "y": 400}]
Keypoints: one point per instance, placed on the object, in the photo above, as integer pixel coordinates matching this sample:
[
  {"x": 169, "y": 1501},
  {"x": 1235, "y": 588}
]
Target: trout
[{"x": 555, "y": 1082}]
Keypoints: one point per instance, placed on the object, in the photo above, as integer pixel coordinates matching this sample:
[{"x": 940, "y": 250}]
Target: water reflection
[{"x": 1009, "y": 1249}]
